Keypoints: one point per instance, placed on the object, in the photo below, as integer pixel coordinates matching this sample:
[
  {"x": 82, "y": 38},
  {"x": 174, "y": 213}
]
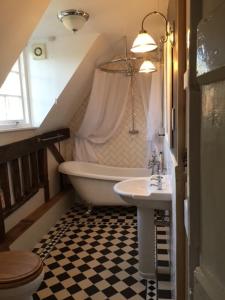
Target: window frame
[{"x": 24, "y": 85}]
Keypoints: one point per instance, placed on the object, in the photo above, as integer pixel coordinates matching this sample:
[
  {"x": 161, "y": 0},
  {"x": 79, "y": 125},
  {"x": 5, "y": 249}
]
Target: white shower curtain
[
  {"x": 154, "y": 119},
  {"x": 143, "y": 90},
  {"x": 104, "y": 113},
  {"x": 149, "y": 87},
  {"x": 106, "y": 107}
]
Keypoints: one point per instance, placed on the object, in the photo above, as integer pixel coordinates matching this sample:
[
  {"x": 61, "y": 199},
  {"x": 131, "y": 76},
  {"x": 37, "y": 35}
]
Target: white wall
[
  {"x": 36, "y": 201},
  {"x": 48, "y": 77}
]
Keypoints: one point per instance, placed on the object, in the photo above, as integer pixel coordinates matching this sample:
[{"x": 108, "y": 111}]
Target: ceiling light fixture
[
  {"x": 147, "y": 67},
  {"x": 73, "y": 19},
  {"x": 144, "y": 42}
]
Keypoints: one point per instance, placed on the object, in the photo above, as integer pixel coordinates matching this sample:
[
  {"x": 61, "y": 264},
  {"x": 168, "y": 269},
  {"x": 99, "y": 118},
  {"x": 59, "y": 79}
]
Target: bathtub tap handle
[{"x": 158, "y": 178}]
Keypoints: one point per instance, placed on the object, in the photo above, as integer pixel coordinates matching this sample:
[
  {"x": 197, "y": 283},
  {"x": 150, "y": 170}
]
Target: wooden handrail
[
  {"x": 24, "y": 169},
  {"x": 24, "y": 147}
]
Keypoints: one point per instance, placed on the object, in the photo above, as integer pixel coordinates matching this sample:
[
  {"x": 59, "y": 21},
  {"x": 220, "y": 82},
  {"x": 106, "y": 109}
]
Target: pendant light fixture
[
  {"x": 147, "y": 67},
  {"x": 144, "y": 42}
]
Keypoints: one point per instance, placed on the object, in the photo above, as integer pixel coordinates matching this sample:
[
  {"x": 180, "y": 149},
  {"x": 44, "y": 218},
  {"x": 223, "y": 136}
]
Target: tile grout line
[{"x": 70, "y": 219}]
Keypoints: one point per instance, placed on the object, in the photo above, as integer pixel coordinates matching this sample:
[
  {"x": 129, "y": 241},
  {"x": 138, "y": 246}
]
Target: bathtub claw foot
[{"x": 89, "y": 210}]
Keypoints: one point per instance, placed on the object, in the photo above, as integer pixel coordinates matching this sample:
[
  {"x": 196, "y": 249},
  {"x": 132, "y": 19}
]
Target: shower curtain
[
  {"x": 154, "y": 118},
  {"x": 106, "y": 107},
  {"x": 104, "y": 113}
]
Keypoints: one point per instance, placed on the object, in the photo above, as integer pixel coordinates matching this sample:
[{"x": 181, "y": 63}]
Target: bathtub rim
[{"x": 61, "y": 169}]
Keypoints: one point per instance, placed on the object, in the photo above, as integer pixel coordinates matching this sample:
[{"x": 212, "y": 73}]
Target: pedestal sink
[{"x": 144, "y": 193}]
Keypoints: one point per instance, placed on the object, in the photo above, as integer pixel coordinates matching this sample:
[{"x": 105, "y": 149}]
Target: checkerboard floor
[{"x": 95, "y": 257}]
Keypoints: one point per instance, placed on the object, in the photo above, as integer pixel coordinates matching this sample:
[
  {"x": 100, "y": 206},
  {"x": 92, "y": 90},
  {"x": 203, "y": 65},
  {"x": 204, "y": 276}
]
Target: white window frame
[{"x": 26, "y": 122}]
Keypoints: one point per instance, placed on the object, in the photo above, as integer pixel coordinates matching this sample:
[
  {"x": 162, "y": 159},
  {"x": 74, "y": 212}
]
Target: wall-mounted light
[
  {"x": 144, "y": 42},
  {"x": 147, "y": 67},
  {"x": 73, "y": 19}
]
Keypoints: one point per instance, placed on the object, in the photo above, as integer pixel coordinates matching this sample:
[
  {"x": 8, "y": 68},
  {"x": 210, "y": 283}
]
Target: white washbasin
[{"x": 143, "y": 192}]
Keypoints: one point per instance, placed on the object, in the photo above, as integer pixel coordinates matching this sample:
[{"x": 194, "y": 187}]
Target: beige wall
[
  {"x": 8, "y": 137},
  {"x": 17, "y": 21}
]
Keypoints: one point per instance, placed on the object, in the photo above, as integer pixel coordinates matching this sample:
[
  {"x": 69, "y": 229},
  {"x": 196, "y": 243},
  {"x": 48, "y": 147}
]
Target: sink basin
[{"x": 143, "y": 192}]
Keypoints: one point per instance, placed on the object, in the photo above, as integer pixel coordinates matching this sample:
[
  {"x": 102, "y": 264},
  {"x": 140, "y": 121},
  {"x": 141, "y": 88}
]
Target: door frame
[{"x": 193, "y": 117}]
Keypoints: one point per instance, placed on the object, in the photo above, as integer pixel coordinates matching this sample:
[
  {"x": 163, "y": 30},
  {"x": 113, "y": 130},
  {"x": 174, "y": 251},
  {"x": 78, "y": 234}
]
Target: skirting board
[{"x": 31, "y": 236}]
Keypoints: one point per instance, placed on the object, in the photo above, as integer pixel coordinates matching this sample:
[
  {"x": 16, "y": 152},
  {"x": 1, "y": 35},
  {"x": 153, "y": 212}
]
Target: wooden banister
[
  {"x": 24, "y": 169},
  {"x": 25, "y": 147}
]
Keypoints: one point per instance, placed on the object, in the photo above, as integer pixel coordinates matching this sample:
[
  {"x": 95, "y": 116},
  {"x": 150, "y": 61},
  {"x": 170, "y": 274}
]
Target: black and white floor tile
[{"x": 95, "y": 257}]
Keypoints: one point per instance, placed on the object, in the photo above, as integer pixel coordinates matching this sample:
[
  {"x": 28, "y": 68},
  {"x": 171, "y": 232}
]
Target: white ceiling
[
  {"x": 111, "y": 19},
  {"x": 114, "y": 18}
]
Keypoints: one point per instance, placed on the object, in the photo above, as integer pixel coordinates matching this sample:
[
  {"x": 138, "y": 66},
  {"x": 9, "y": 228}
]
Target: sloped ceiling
[
  {"x": 77, "y": 89},
  {"x": 109, "y": 19},
  {"x": 17, "y": 22},
  {"x": 112, "y": 19}
]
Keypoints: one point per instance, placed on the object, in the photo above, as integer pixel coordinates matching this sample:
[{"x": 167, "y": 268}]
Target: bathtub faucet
[
  {"x": 153, "y": 163},
  {"x": 160, "y": 163},
  {"x": 158, "y": 183}
]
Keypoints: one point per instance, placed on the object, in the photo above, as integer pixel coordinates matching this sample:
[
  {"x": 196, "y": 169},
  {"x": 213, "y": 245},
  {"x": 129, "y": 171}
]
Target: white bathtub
[{"x": 94, "y": 183}]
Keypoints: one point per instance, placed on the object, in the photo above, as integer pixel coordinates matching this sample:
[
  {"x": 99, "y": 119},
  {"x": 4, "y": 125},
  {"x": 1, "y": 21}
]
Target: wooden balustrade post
[
  {"x": 2, "y": 224},
  {"x": 43, "y": 171}
]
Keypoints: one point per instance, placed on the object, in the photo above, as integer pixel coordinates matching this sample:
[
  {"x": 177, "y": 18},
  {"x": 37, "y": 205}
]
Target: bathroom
[{"x": 106, "y": 160}]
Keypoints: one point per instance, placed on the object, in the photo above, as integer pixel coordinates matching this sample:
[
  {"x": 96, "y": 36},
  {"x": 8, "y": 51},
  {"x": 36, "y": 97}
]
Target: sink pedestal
[
  {"x": 146, "y": 242},
  {"x": 146, "y": 196}
]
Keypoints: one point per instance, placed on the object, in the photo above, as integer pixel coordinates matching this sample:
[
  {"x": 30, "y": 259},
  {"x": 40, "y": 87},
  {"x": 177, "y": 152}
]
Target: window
[{"x": 14, "y": 110}]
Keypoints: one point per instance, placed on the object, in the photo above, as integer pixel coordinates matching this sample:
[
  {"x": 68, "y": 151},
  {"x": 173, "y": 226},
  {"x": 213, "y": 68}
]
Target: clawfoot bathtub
[{"x": 94, "y": 183}]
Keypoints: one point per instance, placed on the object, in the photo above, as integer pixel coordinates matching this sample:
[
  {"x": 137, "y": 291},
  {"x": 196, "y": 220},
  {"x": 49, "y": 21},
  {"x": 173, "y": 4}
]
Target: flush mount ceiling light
[
  {"x": 73, "y": 19},
  {"x": 144, "y": 42}
]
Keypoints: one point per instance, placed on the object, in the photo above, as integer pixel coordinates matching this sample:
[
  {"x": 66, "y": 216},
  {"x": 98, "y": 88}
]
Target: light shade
[
  {"x": 73, "y": 19},
  {"x": 143, "y": 43},
  {"x": 147, "y": 67}
]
